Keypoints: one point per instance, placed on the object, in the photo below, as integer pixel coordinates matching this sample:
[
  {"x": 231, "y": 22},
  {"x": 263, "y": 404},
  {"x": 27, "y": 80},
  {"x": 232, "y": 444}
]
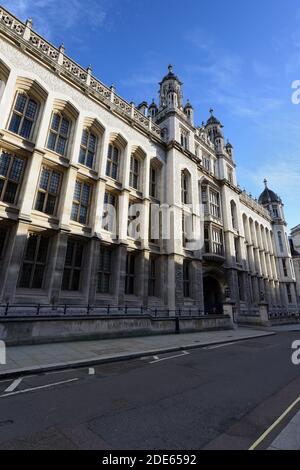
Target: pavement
[
  {"x": 289, "y": 438},
  {"x": 233, "y": 395},
  {"x": 59, "y": 356}
]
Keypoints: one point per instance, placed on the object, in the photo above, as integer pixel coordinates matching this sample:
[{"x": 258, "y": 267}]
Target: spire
[
  {"x": 266, "y": 183},
  {"x": 170, "y": 68}
]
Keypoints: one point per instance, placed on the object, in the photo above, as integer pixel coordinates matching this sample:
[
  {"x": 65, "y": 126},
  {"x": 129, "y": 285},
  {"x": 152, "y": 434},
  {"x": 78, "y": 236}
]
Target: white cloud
[{"x": 58, "y": 15}]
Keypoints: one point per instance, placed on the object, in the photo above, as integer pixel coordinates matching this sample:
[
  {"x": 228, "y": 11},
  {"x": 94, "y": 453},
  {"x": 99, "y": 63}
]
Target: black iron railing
[{"x": 68, "y": 310}]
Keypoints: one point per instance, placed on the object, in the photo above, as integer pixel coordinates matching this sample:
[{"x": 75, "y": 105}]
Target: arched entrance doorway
[{"x": 213, "y": 297}]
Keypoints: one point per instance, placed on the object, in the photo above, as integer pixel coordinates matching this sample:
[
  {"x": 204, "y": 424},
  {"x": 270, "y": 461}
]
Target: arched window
[
  {"x": 88, "y": 148},
  {"x": 59, "y": 133},
  {"x": 24, "y": 115},
  {"x": 112, "y": 165},
  {"x": 185, "y": 189}
]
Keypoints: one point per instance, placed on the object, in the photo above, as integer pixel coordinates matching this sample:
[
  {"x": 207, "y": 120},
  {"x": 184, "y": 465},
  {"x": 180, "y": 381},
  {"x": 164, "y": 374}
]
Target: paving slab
[{"x": 55, "y": 356}]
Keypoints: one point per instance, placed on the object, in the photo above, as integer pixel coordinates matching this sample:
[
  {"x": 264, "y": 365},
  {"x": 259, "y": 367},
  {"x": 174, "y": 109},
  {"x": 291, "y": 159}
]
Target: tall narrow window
[
  {"x": 184, "y": 139},
  {"x": 289, "y": 293},
  {"x": 217, "y": 241},
  {"x": 81, "y": 201},
  {"x": 87, "y": 148},
  {"x": 3, "y": 236},
  {"x": 241, "y": 287},
  {"x": 206, "y": 163},
  {"x": 153, "y": 182},
  {"x": 134, "y": 172},
  {"x": 233, "y": 215},
  {"x": 109, "y": 220},
  {"x": 285, "y": 272},
  {"x": 11, "y": 173},
  {"x": 230, "y": 175},
  {"x": 59, "y": 134},
  {"x": 73, "y": 266},
  {"x": 24, "y": 115},
  {"x": 215, "y": 204},
  {"x": 237, "y": 250},
  {"x": 184, "y": 188},
  {"x": 112, "y": 164},
  {"x": 152, "y": 277},
  {"x": 104, "y": 270},
  {"x": 186, "y": 279},
  {"x": 34, "y": 262},
  {"x": 280, "y": 241},
  {"x": 48, "y": 192},
  {"x": 275, "y": 212},
  {"x": 130, "y": 274}
]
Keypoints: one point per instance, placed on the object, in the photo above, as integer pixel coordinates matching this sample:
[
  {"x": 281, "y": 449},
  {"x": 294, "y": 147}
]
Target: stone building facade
[
  {"x": 295, "y": 248},
  {"x": 71, "y": 148}
]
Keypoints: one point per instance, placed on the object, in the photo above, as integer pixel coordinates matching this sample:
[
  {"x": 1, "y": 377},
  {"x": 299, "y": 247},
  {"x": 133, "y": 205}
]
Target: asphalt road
[{"x": 214, "y": 398}]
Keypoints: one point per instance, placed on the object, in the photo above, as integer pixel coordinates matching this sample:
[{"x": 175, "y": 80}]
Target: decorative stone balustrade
[
  {"x": 12, "y": 27},
  {"x": 253, "y": 204}
]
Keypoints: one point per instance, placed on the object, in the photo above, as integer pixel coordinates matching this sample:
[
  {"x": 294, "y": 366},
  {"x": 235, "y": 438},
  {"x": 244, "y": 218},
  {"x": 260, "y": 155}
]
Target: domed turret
[
  {"x": 273, "y": 203},
  {"x": 153, "y": 109},
  {"x": 189, "y": 111},
  {"x": 229, "y": 149},
  {"x": 268, "y": 197},
  {"x": 170, "y": 91}
]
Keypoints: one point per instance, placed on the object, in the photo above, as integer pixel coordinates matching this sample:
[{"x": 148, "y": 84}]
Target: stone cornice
[{"x": 22, "y": 36}]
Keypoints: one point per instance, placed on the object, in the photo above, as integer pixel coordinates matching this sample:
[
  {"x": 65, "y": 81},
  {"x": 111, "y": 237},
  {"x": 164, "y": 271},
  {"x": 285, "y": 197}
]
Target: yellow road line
[{"x": 270, "y": 429}]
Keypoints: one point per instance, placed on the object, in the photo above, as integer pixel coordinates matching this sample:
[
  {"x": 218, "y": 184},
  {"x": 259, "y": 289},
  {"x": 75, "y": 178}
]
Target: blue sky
[{"x": 238, "y": 57}]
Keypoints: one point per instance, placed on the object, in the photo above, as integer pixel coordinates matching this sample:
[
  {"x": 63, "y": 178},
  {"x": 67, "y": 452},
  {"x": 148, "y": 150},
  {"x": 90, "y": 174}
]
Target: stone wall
[{"x": 38, "y": 331}]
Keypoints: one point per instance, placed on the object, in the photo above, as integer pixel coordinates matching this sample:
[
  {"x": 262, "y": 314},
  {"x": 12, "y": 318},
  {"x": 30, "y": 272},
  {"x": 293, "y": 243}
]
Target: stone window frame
[
  {"x": 4, "y": 74},
  {"x": 109, "y": 194},
  {"x": 137, "y": 168},
  {"x": 23, "y": 114},
  {"x": 57, "y": 133},
  {"x": 87, "y": 149},
  {"x": 135, "y": 172},
  {"x": 81, "y": 203},
  {"x": 4, "y": 231},
  {"x": 74, "y": 267},
  {"x": 47, "y": 192},
  {"x": 152, "y": 276},
  {"x": 130, "y": 273},
  {"x": 103, "y": 272},
  {"x": 214, "y": 242},
  {"x": 8, "y": 180},
  {"x": 33, "y": 90},
  {"x": 113, "y": 161},
  {"x": 186, "y": 278},
  {"x": 184, "y": 138},
  {"x": 35, "y": 262},
  {"x": 215, "y": 205}
]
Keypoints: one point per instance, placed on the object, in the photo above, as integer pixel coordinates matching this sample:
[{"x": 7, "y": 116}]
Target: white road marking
[
  {"x": 156, "y": 358},
  {"x": 217, "y": 346},
  {"x": 14, "y": 385},
  {"x": 91, "y": 371},
  {"x": 185, "y": 353},
  {"x": 37, "y": 388}
]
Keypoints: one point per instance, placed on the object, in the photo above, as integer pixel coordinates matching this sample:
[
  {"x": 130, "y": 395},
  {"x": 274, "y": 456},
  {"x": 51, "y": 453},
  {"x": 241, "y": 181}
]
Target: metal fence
[{"x": 71, "y": 311}]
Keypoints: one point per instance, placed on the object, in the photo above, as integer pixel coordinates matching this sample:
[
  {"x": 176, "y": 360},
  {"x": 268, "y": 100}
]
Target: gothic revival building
[{"x": 72, "y": 150}]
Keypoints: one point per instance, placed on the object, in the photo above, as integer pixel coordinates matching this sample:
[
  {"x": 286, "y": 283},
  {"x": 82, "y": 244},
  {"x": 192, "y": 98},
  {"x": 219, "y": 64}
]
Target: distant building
[{"x": 71, "y": 147}]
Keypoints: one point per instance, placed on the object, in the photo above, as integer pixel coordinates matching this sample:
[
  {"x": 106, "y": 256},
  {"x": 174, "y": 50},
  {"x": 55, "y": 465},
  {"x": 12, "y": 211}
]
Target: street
[{"x": 218, "y": 397}]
